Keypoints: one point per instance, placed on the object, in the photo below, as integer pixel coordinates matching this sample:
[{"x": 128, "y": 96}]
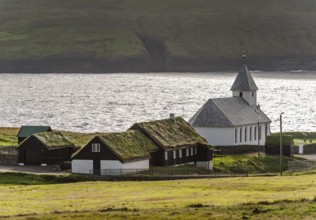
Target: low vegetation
[
  {"x": 8, "y": 136},
  {"x": 249, "y": 163},
  {"x": 287, "y": 197},
  {"x": 149, "y": 34}
]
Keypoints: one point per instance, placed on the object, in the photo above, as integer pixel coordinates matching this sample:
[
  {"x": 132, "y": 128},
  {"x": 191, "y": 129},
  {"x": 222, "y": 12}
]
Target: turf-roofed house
[
  {"x": 177, "y": 142},
  {"x": 28, "y": 130},
  {"x": 46, "y": 148},
  {"x": 114, "y": 154},
  {"x": 236, "y": 120}
]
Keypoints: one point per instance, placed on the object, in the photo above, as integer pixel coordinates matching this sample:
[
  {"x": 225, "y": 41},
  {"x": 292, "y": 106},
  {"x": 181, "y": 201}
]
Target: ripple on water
[{"x": 113, "y": 102}]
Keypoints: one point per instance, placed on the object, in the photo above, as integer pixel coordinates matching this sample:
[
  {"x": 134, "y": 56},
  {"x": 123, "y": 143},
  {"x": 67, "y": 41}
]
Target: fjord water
[{"x": 113, "y": 102}]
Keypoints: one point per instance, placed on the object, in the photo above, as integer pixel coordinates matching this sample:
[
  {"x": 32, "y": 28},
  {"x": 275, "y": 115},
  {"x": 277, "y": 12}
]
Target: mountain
[{"x": 156, "y": 35}]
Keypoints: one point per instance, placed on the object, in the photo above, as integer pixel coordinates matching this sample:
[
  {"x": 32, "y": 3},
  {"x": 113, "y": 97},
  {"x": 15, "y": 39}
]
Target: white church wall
[
  {"x": 226, "y": 136},
  {"x": 217, "y": 136}
]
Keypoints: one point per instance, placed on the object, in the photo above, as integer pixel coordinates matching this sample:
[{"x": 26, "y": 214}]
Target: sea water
[{"x": 114, "y": 102}]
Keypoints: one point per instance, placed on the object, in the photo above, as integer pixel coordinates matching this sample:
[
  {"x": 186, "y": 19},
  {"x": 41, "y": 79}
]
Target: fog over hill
[{"x": 156, "y": 35}]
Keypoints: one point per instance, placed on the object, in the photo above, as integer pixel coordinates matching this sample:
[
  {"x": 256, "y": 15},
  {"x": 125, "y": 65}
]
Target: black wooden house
[
  {"x": 177, "y": 142},
  {"x": 47, "y": 148}
]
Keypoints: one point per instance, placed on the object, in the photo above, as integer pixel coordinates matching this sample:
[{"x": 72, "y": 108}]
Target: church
[{"x": 236, "y": 120}]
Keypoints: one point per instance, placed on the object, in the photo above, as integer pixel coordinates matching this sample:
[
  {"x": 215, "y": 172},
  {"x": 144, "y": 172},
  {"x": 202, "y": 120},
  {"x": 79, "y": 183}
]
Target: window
[
  {"x": 250, "y": 134},
  {"x": 255, "y": 134},
  {"x": 191, "y": 151},
  {"x": 174, "y": 154},
  {"x": 95, "y": 147},
  {"x": 166, "y": 155},
  {"x": 235, "y": 135},
  {"x": 195, "y": 150},
  {"x": 240, "y": 94},
  {"x": 180, "y": 153},
  {"x": 187, "y": 152},
  {"x": 245, "y": 134},
  {"x": 260, "y": 133},
  {"x": 252, "y": 93},
  {"x": 240, "y": 135}
]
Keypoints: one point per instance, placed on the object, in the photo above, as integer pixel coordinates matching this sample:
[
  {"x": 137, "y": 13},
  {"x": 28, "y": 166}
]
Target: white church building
[{"x": 236, "y": 120}]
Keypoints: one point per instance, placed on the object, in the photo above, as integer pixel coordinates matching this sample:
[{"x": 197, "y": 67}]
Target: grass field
[
  {"x": 287, "y": 197},
  {"x": 179, "y": 30}
]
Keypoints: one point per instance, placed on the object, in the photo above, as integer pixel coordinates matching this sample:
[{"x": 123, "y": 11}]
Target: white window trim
[
  {"x": 191, "y": 149},
  {"x": 180, "y": 153},
  {"x": 174, "y": 154},
  {"x": 166, "y": 155},
  {"x": 95, "y": 147},
  {"x": 187, "y": 152}
]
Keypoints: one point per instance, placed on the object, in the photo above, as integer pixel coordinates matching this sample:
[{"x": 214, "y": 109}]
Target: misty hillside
[{"x": 156, "y": 35}]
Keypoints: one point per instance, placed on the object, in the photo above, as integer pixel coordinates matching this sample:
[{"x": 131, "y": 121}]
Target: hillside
[{"x": 156, "y": 35}]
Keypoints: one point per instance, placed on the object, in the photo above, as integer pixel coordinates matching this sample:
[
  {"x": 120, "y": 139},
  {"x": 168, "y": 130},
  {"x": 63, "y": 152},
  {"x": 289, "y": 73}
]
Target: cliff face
[{"x": 151, "y": 35}]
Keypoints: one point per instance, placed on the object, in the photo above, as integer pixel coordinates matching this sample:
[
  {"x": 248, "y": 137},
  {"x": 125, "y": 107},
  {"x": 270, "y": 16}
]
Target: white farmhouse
[{"x": 236, "y": 120}]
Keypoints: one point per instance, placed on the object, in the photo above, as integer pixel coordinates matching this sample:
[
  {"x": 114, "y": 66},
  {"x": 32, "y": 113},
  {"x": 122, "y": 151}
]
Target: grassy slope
[
  {"x": 161, "y": 199},
  {"x": 110, "y": 30}
]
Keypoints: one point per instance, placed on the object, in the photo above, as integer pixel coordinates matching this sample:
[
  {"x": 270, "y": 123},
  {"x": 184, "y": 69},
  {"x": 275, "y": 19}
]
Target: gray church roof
[
  {"x": 244, "y": 80},
  {"x": 227, "y": 112}
]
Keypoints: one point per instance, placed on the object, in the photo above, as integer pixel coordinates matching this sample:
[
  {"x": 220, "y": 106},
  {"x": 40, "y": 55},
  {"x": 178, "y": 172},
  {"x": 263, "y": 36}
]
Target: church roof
[
  {"x": 244, "y": 80},
  {"x": 227, "y": 112}
]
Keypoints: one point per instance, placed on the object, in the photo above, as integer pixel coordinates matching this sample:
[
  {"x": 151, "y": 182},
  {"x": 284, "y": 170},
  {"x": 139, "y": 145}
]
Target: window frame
[{"x": 96, "y": 147}]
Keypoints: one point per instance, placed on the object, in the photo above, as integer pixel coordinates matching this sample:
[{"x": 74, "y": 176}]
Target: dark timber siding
[
  {"x": 34, "y": 152},
  {"x": 104, "y": 154}
]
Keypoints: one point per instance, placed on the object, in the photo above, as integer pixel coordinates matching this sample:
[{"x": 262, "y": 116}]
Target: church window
[
  {"x": 255, "y": 134},
  {"x": 235, "y": 135},
  {"x": 250, "y": 134},
  {"x": 240, "y": 135},
  {"x": 260, "y": 133},
  {"x": 245, "y": 134},
  {"x": 253, "y": 93},
  {"x": 240, "y": 94}
]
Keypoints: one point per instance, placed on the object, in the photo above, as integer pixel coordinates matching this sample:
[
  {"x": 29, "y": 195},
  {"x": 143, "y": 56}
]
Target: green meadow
[{"x": 287, "y": 197}]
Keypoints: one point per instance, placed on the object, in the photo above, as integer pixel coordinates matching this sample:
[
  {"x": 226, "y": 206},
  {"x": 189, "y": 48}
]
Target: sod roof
[
  {"x": 52, "y": 140},
  {"x": 170, "y": 133},
  {"x": 130, "y": 145},
  {"x": 274, "y": 140}
]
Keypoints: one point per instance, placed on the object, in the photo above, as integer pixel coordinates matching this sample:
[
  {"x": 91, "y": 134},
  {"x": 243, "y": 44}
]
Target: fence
[{"x": 299, "y": 165}]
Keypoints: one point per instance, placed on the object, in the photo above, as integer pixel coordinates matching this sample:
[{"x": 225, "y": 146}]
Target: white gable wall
[{"x": 81, "y": 166}]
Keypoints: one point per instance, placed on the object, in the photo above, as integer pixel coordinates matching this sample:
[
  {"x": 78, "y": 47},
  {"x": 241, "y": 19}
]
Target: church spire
[
  {"x": 244, "y": 85},
  {"x": 244, "y": 80}
]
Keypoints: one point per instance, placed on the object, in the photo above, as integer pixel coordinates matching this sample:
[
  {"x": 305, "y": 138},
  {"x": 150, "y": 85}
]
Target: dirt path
[{"x": 33, "y": 169}]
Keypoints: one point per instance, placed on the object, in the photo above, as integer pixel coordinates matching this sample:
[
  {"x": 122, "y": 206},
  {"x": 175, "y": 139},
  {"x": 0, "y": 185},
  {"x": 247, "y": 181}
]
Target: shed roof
[
  {"x": 28, "y": 130},
  {"x": 244, "y": 80},
  {"x": 51, "y": 140},
  {"x": 227, "y": 112},
  {"x": 170, "y": 133}
]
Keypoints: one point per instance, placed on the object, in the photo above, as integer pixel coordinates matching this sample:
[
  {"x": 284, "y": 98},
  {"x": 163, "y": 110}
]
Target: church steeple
[{"x": 244, "y": 85}]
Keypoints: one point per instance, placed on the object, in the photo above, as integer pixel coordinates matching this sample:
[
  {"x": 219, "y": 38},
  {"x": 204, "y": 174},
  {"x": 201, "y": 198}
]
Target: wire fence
[{"x": 299, "y": 165}]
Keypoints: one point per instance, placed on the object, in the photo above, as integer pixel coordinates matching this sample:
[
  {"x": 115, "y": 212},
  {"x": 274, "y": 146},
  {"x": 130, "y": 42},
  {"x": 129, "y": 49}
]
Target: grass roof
[
  {"x": 171, "y": 133},
  {"x": 274, "y": 140},
  {"x": 129, "y": 145},
  {"x": 53, "y": 140}
]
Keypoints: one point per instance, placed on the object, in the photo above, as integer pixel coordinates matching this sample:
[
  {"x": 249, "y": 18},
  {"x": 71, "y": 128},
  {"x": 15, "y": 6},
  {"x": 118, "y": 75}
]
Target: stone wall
[
  {"x": 8, "y": 155},
  {"x": 308, "y": 149},
  {"x": 239, "y": 149}
]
